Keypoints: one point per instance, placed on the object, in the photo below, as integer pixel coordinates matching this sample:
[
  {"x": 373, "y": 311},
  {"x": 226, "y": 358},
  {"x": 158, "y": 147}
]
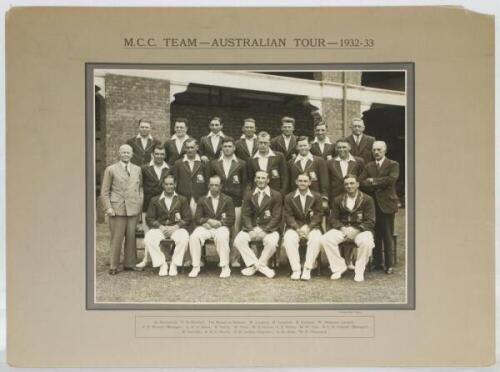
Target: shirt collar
[
  {"x": 266, "y": 191},
  {"x": 174, "y": 137},
  {"x": 354, "y": 197},
  {"x": 220, "y": 134},
  {"x": 269, "y": 154},
  {"x": 244, "y": 137},
  {"x": 327, "y": 140},
  {"x": 163, "y": 196},
  {"x": 232, "y": 157},
  {"x": 197, "y": 158},
  {"x": 209, "y": 195},
  {"x": 164, "y": 165},
  {"x": 149, "y": 136},
  {"x": 350, "y": 158},
  {"x": 309, "y": 193},
  {"x": 124, "y": 164},
  {"x": 381, "y": 161},
  {"x": 308, "y": 157}
]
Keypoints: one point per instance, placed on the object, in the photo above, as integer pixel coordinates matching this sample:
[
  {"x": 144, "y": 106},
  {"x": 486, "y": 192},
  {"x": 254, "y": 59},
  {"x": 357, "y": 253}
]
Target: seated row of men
[{"x": 352, "y": 218}]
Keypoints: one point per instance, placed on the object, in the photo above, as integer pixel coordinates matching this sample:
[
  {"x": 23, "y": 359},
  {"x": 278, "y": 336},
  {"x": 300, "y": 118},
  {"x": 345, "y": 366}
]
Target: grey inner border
[{"x": 409, "y": 67}]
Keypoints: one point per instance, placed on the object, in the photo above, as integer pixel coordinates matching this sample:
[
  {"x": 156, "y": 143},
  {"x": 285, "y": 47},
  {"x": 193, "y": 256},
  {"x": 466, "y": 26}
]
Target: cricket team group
[{"x": 255, "y": 191}]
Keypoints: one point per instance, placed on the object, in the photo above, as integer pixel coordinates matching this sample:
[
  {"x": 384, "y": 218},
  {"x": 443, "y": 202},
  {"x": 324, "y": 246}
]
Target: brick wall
[
  {"x": 129, "y": 99},
  {"x": 333, "y": 115},
  {"x": 351, "y": 77}
]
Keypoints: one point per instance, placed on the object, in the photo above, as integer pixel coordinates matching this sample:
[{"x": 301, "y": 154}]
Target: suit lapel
[
  {"x": 309, "y": 201},
  {"x": 362, "y": 143},
  {"x": 350, "y": 166},
  {"x": 384, "y": 164},
  {"x": 298, "y": 204},
  {"x": 234, "y": 165},
  {"x": 245, "y": 147},
  {"x": 196, "y": 166},
  {"x": 308, "y": 165},
  {"x": 175, "y": 200},
  {"x": 338, "y": 169}
]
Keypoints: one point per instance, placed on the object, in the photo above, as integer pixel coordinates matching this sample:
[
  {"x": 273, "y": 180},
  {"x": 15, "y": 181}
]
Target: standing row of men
[{"x": 315, "y": 173}]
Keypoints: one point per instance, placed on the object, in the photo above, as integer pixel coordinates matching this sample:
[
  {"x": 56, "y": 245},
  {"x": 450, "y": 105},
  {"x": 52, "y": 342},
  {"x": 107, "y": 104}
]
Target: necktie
[
  {"x": 126, "y": 169},
  {"x": 260, "y": 197},
  {"x": 378, "y": 164},
  {"x": 357, "y": 140},
  {"x": 213, "y": 204}
]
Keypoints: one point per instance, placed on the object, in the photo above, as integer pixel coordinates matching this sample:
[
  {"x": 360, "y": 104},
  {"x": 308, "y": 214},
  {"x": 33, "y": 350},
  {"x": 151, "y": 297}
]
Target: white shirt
[
  {"x": 357, "y": 139},
  {"x": 158, "y": 169},
  {"x": 179, "y": 142},
  {"x": 215, "y": 201},
  {"x": 215, "y": 138},
  {"x": 266, "y": 190},
  {"x": 322, "y": 144},
  {"x": 144, "y": 141},
  {"x": 167, "y": 200},
  {"x": 350, "y": 201},
  {"x": 126, "y": 167},
  {"x": 287, "y": 141},
  {"x": 226, "y": 164},
  {"x": 249, "y": 143},
  {"x": 303, "y": 198},
  {"x": 344, "y": 164},
  {"x": 263, "y": 159},
  {"x": 304, "y": 159},
  {"x": 191, "y": 162},
  {"x": 380, "y": 162}
]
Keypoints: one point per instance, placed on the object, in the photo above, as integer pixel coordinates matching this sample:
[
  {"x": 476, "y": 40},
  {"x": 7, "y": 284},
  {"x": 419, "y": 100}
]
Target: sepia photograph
[{"x": 266, "y": 186}]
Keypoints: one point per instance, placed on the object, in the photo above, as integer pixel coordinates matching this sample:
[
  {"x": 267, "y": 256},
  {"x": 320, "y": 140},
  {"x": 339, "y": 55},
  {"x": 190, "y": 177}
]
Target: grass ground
[{"x": 147, "y": 286}]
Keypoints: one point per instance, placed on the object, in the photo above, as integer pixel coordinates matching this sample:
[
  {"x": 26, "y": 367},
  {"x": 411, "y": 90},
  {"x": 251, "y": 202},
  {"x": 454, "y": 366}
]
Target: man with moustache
[
  {"x": 211, "y": 144},
  {"x": 246, "y": 146},
  {"x": 168, "y": 217},
  {"x": 142, "y": 145},
  {"x": 303, "y": 216},
  {"x": 122, "y": 197},
  {"x": 379, "y": 180},
  {"x": 286, "y": 142},
  {"x": 271, "y": 162},
  {"x": 361, "y": 144},
  {"x": 174, "y": 147},
  {"x": 322, "y": 146},
  {"x": 261, "y": 220}
]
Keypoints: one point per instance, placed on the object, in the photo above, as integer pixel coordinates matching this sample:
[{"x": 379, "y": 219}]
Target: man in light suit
[
  {"x": 246, "y": 146},
  {"x": 211, "y": 144},
  {"x": 361, "y": 144},
  {"x": 174, "y": 147},
  {"x": 143, "y": 144},
  {"x": 286, "y": 142},
  {"x": 122, "y": 197},
  {"x": 322, "y": 145},
  {"x": 379, "y": 180}
]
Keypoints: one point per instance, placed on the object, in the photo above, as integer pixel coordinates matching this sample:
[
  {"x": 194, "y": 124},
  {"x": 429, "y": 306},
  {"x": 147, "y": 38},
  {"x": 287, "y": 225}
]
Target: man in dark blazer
[
  {"x": 261, "y": 220},
  {"x": 214, "y": 218},
  {"x": 152, "y": 180},
  {"x": 271, "y": 162},
  {"x": 314, "y": 166},
  {"x": 246, "y": 146},
  {"x": 122, "y": 197},
  {"x": 191, "y": 174},
  {"x": 143, "y": 144},
  {"x": 211, "y": 144},
  {"x": 174, "y": 146},
  {"x": 361, "y": 144},
  {"x": 379, "y": 180},
  {"x": 352, "y": 218},
  {"x": 322, "y": 146},
  {"x": 286, "y": 142},
  {"x": 342, "y": 165},
  {"x": 168, "y": 217},
  {"x": 303, "y": 216}
]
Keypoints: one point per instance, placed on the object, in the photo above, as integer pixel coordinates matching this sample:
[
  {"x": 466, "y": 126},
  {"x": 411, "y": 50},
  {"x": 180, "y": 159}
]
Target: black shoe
[
  {"x": 389, "y": 271},
  {"x": 377, "y": 267},
  {"x": 112, "y": 272},
  {"x": 133, "y": 268}
]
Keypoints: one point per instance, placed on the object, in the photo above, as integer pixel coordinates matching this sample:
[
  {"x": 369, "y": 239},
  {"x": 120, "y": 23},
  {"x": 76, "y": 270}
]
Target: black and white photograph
[{"x": 266, "y": 186}]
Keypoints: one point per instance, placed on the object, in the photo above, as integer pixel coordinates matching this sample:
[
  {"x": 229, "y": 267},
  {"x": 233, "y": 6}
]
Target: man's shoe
[
  {"x": 389, "y": 271},
  {"x": 295, "y": 275},
  {"x": 163, "y": 269},
  {"x": 173, "y": 270},
  {"x": 141, "y": 265},
  {"x": 306, "y": 274},
  {"x": 225, "y": 272},
  {"x": 134, "y": 268},
  {"x": 249, "y": 271},
  {"x": 377, "y": 267},
  {"x": 359, "y": 277},
  {"x": 268, "y": 272},
  {"x": 338, "y": 274},
  {"x": 194, "y": 272},
  {"x": 202, "y": 263},
  {"x": 113, "y": 271},
  {"x": 236, "y": 263},
  {"x": 350, "y": 267}
]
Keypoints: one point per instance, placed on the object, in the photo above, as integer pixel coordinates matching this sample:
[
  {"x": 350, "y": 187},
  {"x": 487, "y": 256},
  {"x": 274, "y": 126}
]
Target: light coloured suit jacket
[{"x": 122, "y": 192}]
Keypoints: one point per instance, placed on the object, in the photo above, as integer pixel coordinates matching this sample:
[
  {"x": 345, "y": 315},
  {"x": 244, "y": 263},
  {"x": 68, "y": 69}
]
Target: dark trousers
[
  {"x": 384, "y": 230},
  {"x": 122, "y": 228}
]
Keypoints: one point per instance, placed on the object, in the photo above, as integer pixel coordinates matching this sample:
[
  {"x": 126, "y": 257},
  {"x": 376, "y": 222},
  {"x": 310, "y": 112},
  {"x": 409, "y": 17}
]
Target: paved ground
[{"x": 147, "y": 286}]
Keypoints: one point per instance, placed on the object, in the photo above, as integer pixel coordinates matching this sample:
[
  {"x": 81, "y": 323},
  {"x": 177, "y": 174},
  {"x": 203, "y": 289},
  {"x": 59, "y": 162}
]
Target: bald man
[{"x": 122, "y": 198}]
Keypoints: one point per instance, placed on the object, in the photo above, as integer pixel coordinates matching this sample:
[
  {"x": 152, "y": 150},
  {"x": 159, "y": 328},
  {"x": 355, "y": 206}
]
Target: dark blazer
[
  {"x": 328, "y": 150},
  {"x": 317, "y": 172},
  {"x": 295, "y": 217},
  {"x": 171, "y": 153},
  {"x": 178, "y": 214},
  {"x": 151, "y": 184},
  {"x": 206, "y": 148},
  {"x": 224, "y": 213},
  {"x": 364, "y": 150},
  {"x": 277, "y": 169},
  {"x": 383, "y": 188},
  {"x": 362, "y": 216},
  {"x": 242, "y": 149},
  {"x": 336, "y": 179},
  {"x": 278, "y": 144},
  {"x": 236, "y": 183},
  {"x": 191, "y": 183},
  {"x": 142, "y": 156},
  {"x": 267, "y": 216}
]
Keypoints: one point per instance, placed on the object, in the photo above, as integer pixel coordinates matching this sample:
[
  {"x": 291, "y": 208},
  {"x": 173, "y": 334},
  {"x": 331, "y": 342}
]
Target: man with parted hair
[
  {"x": 361, "y": 144},
  {"x": 303, "y": 216},
  {"x": 122, "y": 197},
  {"x": 352, "y": 218},
  {"x": 271, "y": 162},
  {"x": 322, "y": 145},
  {"x": 261, "y": 220},
  {"x": 211, "y": 144},
  {"x": 174, "y": 147},
  {"x": 143, "y": 144},
  {"x": 168, "y": 217},
  {"x": 286, "y": 142},
  {"x": 246, "y": 146},
  {"x": 379, "y": 180},
  {"x": 214, "y": 218}
]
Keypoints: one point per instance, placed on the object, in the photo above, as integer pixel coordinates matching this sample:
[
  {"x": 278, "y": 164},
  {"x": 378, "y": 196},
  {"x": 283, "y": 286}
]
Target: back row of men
[{"x": 253, "y": 186}]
